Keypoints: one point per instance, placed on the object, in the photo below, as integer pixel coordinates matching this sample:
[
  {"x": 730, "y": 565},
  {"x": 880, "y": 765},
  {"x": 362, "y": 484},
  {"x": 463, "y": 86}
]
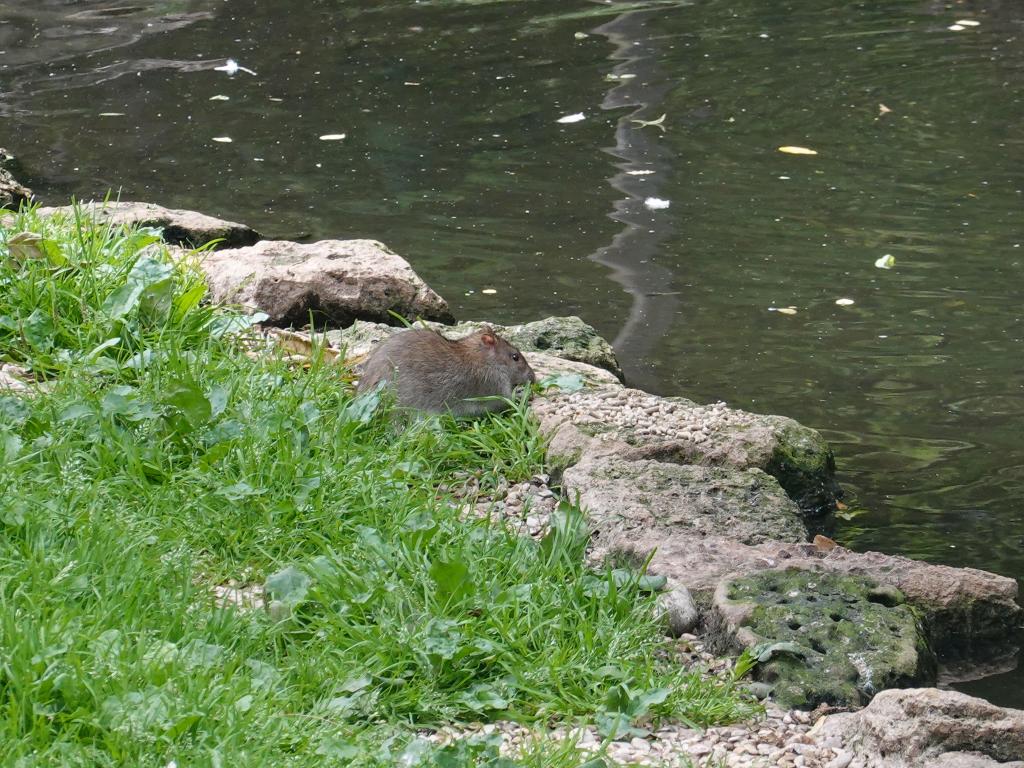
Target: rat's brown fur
[{"x": 430, "y": 372}]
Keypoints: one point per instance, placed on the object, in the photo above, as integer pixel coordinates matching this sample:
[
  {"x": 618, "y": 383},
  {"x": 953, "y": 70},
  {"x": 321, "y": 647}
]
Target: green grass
[{"x": 160, "y": 460}]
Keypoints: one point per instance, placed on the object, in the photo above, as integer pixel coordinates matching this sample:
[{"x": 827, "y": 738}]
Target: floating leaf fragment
[
  {"x": 219, "y": 97},
  {"x": 488, "y": 291},
  {"x": 659, "y": 123},
  {"x": 886, "y": 262},
  {"x": 956, "y": 27},
  {"x": 580, "y": 35},
  {"x": 575, "y": 118},
  {"x": 232, "y": 68},
  {"x": 611, "y": 77},
  {"x": 968, "y": 23},
  {"x": 111, "y": 114},
  {"x": 656, "y": 203},
  {"x": 639, "y": 173},
  {"x": 844, "y": 302},
  {"x": 883, "y": 110},
  {"x": 223, "y": 139},
  {"x": 783, "y": 310},
  {"x": 332, "y": 137},
  {"x": 791, "y": 150}
]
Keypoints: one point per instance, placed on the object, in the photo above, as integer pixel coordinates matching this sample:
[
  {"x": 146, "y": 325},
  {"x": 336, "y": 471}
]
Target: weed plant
[{"x": 158, "y": 460}]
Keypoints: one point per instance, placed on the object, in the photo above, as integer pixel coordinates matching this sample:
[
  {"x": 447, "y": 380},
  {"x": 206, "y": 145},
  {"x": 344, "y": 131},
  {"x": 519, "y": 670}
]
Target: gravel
[
  {"x": 780, "y": 740},
  {"x": 643, "y": 414}
]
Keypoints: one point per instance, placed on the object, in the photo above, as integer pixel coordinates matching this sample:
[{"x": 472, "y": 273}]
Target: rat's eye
[{"x": 515, "y": 356}]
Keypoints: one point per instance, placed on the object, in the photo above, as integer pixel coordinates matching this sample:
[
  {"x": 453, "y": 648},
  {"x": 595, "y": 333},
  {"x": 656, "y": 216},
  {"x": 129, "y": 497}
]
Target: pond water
[{"x": 454, "y": 155}]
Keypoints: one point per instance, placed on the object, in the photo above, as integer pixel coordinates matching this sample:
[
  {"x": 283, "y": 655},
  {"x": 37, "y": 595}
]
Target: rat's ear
[{"x": 488, "y": 338}]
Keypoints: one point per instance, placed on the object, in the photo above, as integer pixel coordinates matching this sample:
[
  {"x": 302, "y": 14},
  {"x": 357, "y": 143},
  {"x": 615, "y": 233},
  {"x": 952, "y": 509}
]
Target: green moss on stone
[
  {"x": 829, "y": 638},
  {"x": 805, "y": 467}
]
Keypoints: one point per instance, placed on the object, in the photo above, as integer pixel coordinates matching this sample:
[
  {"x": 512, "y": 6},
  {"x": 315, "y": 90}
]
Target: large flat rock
[
  {"x": 927, "y": 727},
  {"x": 333, "y": 281},
  {"x": 963, "y": 608},
  {"x": 635, "y": 425},
  {"x": 179, "y": 227},
  {"x": 660, "y": 499}
]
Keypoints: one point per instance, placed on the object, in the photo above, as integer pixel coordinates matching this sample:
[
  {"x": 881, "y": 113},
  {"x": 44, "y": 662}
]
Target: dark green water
[{"x": 453, "y": 156}]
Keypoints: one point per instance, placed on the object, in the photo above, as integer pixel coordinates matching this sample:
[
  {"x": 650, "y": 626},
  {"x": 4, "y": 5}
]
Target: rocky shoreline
[{"x": 715, "y": 499}]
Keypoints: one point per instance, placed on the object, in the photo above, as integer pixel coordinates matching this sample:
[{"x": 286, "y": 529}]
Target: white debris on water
[{"x": 656, "y": 203}]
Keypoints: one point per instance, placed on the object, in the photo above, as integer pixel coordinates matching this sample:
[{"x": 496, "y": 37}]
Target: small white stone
[
  {"x": 841, "y": 760},
  {"x": 640, "y": 745}
]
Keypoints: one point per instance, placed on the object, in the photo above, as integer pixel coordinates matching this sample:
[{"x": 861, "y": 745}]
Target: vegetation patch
[{"x": 162, "y": 460}]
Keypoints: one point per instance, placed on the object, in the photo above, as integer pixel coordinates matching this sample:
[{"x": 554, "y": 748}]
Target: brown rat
[{"x": 433, "y": 373}]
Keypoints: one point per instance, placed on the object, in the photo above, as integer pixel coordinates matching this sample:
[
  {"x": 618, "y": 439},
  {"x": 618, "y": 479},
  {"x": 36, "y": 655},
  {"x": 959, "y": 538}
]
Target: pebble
[{"x": 841, "y": 760}]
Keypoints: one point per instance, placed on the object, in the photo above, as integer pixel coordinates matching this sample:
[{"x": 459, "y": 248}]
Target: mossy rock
[
  {"x": 566, "y": 337},
  {"x": 824, "y": 638}
]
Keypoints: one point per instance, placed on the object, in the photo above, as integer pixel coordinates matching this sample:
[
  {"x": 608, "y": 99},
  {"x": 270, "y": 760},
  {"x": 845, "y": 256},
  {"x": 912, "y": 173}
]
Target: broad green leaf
[
  {"x": 289, "y": 585},
  {"x": 76, "y": 412},
  {"x": 38, "y": 330},
  {"x": 14, "y": 410},
  {"x": 188, "y": 300},
  {"x": 186, "y": 396},
  {"x": 336, "y": 749},
  {"x": 362, "y": 407},
  {"x": 155, "y": 302},
  {"x": 99, "y": 348},
  {"x": 147, "y": 273},
  {"x": 452, "y": 579},
  {"x": 225, "y": 323}
]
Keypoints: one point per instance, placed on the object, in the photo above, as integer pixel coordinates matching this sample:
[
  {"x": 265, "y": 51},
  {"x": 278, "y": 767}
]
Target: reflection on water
[{"x": 454, "y": 156}]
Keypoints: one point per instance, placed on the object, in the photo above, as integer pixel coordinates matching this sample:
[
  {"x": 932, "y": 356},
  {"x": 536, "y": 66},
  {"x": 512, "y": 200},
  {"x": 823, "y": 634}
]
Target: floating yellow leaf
[{"x": 797, "y": 150}]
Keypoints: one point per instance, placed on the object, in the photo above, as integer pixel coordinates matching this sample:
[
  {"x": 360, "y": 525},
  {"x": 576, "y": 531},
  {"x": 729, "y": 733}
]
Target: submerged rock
[
  {"x": 180, "y": 227},
  {"x": 823, "y": 638},
  {"x": 333, "y": 281},
  {"x": 926, "y": 726}
]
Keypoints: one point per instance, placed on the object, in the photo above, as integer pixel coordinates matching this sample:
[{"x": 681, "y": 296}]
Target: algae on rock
[{"x": 824, "y": 638}]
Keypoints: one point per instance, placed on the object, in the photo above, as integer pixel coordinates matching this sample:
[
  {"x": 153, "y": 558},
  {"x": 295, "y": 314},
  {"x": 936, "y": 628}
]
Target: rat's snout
[{"x": 530, "y": 376}]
